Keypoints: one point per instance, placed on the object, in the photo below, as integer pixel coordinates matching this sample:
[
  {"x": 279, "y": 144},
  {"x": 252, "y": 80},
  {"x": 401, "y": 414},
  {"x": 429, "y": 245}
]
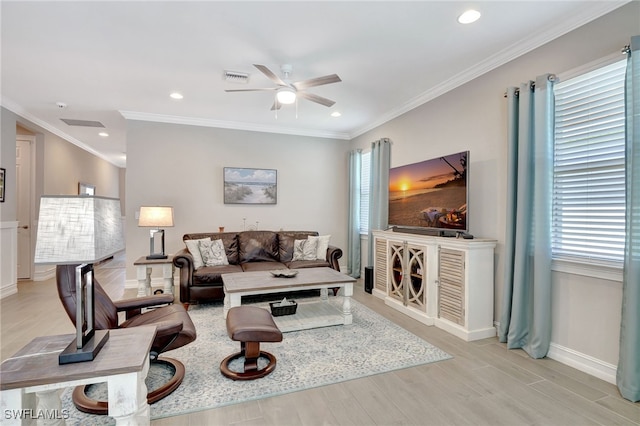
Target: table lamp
[
  {"x": 80, "y": 230},
  {"x": 156, "y": 217}
]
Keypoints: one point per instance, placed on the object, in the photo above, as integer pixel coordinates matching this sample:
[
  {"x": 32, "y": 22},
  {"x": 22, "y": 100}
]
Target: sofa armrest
[
  {"x": 333, "y": 254},
  {"x": 184, "y": 261}
]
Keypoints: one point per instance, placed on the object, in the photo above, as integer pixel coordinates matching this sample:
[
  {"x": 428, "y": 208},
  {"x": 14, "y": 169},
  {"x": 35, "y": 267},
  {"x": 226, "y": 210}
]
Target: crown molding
[
  {"x": 502, "y": 57},
  {"x": 18, "y": 110},
  {"x": 234, "y": 125}
]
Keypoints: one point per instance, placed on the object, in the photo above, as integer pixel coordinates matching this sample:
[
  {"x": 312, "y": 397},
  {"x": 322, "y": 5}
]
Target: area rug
[{"x": 305, "y": 359}]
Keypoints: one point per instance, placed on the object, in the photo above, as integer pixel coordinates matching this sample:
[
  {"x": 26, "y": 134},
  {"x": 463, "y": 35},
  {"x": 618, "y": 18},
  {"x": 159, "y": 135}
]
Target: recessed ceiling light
[
  {"x": 103, "y": 134},
  {"x": 176, "y": 95},
  {"x": 336, "y": 114},
  {"x": 469, "y": 16}
]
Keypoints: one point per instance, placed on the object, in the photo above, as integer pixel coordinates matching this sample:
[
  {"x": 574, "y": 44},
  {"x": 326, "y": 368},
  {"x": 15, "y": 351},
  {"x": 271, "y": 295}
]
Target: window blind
[
  {"x": 364, "y": 192},
  {"x": 589, "y": 167}
]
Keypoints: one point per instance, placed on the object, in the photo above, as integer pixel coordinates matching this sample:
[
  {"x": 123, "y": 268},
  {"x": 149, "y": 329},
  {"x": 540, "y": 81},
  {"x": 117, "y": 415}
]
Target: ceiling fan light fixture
[
  {"x": 469, "y": 17},
  {"x": 286, "y": 95}
]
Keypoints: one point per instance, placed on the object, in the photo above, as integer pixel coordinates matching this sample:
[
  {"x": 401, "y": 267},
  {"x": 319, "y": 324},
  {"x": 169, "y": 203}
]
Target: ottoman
[{"x": 250, "y": 326}]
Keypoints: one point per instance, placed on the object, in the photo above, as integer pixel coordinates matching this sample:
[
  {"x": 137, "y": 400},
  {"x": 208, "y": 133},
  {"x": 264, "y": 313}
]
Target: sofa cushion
[
  {"x": 208, "y": 275},
  {"x": 258, "y": 246},
  {"x": 262, "y": 266},
  {"x": 229, "y": 239},
  {"x": 286, "y": 240},
  {"x": 305, "y": 249},
  {"x": 301, "y": 264},
  {"x": 323, "y": 245},
  {"x": 213, "y": 253},
  {"x": 194, "y": 248}
]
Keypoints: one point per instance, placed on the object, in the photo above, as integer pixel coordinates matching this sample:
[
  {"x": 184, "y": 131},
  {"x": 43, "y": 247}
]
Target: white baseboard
[
  {"x": 8, "y": 290},
  {"x": 585, "y": 363},
  {"x": 582, "y": 362},
  {"x": 43, "y": 273}
]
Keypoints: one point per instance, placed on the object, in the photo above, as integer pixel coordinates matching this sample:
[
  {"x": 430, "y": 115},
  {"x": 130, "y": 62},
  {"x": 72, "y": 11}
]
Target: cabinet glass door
[
  {"x": 396, "y": 287},
  {"x": 410, "y": 260},
  {"x": 416, "y": 291}
]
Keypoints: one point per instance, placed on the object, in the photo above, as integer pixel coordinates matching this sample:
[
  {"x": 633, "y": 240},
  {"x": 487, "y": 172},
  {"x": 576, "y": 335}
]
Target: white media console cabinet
[{"x": 446, "y": 282}]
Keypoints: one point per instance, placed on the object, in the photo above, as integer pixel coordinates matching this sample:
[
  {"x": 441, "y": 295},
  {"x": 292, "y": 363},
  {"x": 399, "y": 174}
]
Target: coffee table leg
[
  {"x": 230, "y": 301},
  {"x": 324, "y": 294},
  {"x": 346, "y": 303},
  {"x": 226, "y": 305}
]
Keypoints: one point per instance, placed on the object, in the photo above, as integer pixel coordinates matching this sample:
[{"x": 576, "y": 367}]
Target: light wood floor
[{"x": 484, "y": 384}]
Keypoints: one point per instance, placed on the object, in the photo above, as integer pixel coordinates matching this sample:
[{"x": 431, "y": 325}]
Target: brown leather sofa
[{"x": 246, "y": 251}]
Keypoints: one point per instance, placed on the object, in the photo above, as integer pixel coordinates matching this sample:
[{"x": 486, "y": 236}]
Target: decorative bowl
[{"x": 284, "y": 273}]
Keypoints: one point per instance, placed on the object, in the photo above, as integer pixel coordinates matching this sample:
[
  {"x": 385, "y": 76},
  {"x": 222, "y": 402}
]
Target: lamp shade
[
  {"x": 78, "y": 229},
  {"x": 156, "y": 216}
]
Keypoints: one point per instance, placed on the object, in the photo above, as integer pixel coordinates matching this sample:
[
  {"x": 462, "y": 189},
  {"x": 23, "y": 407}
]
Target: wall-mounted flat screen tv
[{"x": 430, "y": 194}]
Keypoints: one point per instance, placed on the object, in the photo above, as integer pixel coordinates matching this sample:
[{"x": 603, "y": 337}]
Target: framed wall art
[
  {"x": 3, "y": 177},
  {"x": 250, "y": 186},
  {"x": 86, "y": 189}
]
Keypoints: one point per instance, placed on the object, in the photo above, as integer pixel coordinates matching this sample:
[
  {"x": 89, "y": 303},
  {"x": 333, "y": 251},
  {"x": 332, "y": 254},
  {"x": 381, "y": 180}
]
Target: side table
[
  {"x": 144, "y": 267},
  {"x": 123, "y": 363}
]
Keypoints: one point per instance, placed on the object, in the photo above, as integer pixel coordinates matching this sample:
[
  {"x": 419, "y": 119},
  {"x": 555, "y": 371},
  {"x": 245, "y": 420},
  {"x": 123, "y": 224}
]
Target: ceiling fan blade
[
  {"x": 317, "y": 99},
  {"x": 252, "y": 90},
  {"x": 319, "y": 81},
  {"x": 266, "y": 71}
]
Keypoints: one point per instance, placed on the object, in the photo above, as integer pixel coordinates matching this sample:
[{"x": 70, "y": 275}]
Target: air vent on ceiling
[
  {"x": 236, "y": 76},
  {"x": 83, "y": 123}
]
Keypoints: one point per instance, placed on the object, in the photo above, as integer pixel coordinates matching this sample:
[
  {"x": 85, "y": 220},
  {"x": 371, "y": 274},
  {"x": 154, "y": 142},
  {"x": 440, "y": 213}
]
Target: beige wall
[
  {"x": 586, "y": 310},
  {"x": 59, "y": 166},
  {"x": 182, "y": 166},
  {"x": 66, "y": 164}
]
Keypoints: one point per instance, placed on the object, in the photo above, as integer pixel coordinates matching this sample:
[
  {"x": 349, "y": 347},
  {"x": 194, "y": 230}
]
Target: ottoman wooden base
[{"x": 251, "y": 370}]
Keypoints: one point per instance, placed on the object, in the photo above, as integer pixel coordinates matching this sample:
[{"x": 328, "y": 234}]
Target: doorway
[{"x": 24, "y": 191}]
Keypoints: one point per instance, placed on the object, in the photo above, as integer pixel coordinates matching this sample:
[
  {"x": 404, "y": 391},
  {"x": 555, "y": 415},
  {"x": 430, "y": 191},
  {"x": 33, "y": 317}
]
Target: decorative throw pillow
[
  {"x": 194, "y": 248},
  {"x": 323, "y": 245},
  {"x": 213, "y": 253},
  {"x": 305, "y": 249}
]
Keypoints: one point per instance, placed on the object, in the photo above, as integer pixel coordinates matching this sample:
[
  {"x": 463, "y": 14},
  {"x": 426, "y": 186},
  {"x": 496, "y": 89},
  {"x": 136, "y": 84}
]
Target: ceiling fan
[{"x": 287, "y": 92}]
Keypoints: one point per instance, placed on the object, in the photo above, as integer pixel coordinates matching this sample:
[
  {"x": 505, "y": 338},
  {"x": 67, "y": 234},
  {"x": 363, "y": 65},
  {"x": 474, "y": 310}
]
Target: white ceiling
[{"x": 111, "y": 60}]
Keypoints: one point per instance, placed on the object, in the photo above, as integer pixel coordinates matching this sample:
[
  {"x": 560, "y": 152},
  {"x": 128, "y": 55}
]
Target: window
[
  {"x": 588, "y": 219},
  {"x": 365, "y": 169}
]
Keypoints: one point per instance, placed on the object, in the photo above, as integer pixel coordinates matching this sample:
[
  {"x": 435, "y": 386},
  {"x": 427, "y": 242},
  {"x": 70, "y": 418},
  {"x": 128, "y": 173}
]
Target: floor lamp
[{"x": 80, "y": 230}]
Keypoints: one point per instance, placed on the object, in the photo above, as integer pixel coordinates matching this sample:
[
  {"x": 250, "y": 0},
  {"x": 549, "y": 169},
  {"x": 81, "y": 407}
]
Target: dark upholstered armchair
[{"x": 174, "y": 329}]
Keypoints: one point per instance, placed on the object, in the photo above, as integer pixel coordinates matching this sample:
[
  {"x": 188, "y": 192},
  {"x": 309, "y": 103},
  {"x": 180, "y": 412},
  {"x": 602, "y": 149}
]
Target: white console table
[{"x": 446, "y": 282}]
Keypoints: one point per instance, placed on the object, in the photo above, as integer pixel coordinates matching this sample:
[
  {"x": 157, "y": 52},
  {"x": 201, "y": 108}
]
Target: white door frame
[{"x": 24, "y": 256}]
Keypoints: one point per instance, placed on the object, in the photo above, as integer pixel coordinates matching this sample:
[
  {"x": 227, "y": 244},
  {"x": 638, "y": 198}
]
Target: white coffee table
[{"x": 309, "y": 314}]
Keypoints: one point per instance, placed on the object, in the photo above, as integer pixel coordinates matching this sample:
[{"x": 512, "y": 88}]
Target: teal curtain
[
  {"x": 628, "y": 373},
  {"x": 353, "y": 244},
  {"x": 379, "y": 189},
  {"x": 526, "y": 310}
]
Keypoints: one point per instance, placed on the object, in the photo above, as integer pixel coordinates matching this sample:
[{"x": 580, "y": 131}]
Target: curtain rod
[
  {"x": 626, "y": 50},
  {"x": 532, "y": 85}
]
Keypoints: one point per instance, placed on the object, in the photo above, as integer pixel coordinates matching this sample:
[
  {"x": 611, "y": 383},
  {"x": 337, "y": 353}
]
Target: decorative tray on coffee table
[{"x": 284, "y": 273}]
